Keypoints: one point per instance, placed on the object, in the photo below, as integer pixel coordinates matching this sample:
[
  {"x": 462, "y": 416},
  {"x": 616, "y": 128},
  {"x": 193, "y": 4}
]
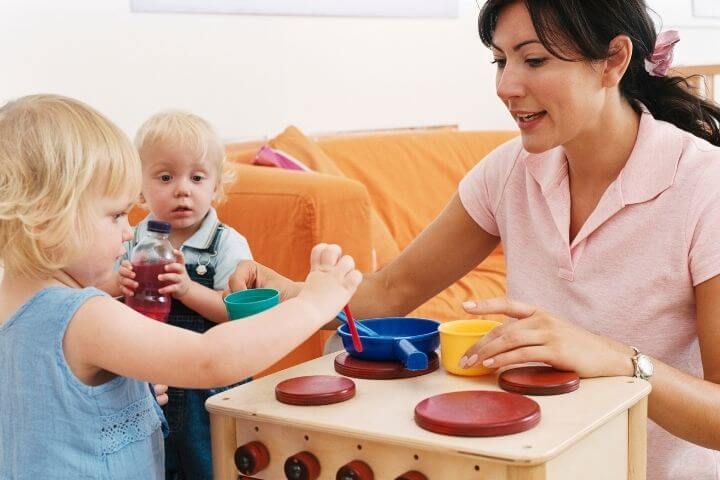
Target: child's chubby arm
[
  {"x": 206, "y": 301},
  {"x": 105, "y": 336}
]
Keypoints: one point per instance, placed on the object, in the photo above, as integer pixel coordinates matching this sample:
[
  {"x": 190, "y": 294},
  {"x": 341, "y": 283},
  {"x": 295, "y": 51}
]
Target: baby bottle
[{"x": 148, "y": 259}]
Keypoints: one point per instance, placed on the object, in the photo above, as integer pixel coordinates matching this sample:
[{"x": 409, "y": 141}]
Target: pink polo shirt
[{"x": 630, "y": 271}]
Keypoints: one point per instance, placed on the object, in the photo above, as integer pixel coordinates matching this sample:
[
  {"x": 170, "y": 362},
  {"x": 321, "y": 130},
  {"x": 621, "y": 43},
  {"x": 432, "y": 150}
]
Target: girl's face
[
  {"x": 554, "y": 102},
  {"x": 109, "y": 230}
]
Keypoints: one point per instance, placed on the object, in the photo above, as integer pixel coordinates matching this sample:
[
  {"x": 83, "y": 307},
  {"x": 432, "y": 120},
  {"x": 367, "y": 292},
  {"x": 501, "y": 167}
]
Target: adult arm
[{"x": 452, "y": 245}]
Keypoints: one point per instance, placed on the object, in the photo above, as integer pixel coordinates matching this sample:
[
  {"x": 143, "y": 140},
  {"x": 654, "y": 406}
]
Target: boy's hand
[
  {"x": 127, "y": 282},
  {"x": 161, "y": 394},
  {"x": 332, "y": 279},
  {"x": 177, "y": 277},
  {"x": 250, "y": 274}
]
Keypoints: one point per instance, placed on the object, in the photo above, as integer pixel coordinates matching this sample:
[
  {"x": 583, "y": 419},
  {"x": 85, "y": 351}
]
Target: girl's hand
[
  {"x": 332, "y": 279},
  {"x": 537, "y": 336},
  {"x": 250, "y": 274},
  {"x": 127, "y": 276},
  {"x": 177, "y": 277}
]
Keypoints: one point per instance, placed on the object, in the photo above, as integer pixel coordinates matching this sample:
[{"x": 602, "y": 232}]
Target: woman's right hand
[
  {"x": 332, "y": 280},
  {"x": 251, "y": 274}
]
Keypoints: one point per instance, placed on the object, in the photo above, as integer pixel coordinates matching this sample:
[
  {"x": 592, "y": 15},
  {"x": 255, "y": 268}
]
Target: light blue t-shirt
[
  {"x": 54, "y": 426},
  {"x": 231, "y": 248}
]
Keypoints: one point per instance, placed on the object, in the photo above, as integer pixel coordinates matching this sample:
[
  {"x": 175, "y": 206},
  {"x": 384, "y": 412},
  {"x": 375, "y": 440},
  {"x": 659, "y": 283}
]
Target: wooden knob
[
  {"x": 302, "y": 466},
  {"x": 251, "y": 458},
  {"x": 413, "y": 475},
  {"x": 355, "y": 470}
]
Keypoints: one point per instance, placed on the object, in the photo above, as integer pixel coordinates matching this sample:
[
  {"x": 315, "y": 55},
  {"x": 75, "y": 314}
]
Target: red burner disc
[
  {"x": 477, "y": 413},
  {"x": 380, "y": 370},
  {"x": 538, "y": 381},
  {"x": 315, "y": 390}
]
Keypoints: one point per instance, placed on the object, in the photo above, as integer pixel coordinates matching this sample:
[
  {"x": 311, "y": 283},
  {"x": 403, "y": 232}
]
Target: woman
[{"x": 609, "y": 214}]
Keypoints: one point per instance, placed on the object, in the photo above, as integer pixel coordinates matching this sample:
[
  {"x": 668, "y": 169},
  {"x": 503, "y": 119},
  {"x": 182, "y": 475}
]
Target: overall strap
[{"x": 219, "y": 229}]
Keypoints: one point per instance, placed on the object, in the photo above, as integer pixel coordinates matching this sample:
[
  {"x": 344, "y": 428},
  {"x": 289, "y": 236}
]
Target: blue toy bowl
[{"x": 406, "y": 339}]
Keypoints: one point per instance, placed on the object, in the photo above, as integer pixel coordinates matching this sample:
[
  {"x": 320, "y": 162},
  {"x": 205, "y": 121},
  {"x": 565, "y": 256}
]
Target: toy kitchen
[{"x": 343, "y": 417}]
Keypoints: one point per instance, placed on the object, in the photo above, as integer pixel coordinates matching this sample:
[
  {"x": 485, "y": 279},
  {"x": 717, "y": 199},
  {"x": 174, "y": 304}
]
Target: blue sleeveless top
[{"x": 54, "y": 426}]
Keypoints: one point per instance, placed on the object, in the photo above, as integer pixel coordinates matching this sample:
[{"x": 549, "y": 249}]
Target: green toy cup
[{"x": 249, "y": 302}]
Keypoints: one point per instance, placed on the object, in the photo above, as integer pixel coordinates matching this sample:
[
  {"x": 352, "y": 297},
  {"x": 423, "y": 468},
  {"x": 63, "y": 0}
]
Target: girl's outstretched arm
[{"x": 106, "y": 337}]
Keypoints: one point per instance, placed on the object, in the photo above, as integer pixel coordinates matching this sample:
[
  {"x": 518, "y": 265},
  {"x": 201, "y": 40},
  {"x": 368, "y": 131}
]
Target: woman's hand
[
  {"x": 251, "y": 274},
  {"x": 533, "y": 335}
]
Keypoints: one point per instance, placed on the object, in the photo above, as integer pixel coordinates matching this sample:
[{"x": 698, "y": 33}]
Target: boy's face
[{"x": 177, "y": 187}]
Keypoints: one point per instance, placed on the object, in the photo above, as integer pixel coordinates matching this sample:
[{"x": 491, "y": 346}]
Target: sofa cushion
[
  {"x": 293, "y": 142},
  {"x": 269, "y": 157},
  {"x": 411, "y": 176}
]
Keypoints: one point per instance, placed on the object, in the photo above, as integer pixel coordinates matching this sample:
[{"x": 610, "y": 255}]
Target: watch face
[{"x": 645, "y": 365}]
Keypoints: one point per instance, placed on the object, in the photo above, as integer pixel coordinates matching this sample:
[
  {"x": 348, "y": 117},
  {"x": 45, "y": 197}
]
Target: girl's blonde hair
[
  {"x": 58, "y": 156},
  {"x": 187, "y": 131}
]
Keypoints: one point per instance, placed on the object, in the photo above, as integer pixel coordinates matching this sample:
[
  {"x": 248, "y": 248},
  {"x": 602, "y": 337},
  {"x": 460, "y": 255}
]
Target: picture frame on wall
[
  {"x": 335, "y": 8},
  {"x": 693, "y": 14},
  {"x": 706, "y": 9}
]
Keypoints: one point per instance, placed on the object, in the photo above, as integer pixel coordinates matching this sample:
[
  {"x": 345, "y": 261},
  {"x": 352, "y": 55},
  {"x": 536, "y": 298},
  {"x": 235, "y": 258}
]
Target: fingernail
[
  {"x": 469, "y": 304},
  {"x": 463, "y": 361},
  {"x": 472, "y": 360},
  {"x": 488, "y": 362}
]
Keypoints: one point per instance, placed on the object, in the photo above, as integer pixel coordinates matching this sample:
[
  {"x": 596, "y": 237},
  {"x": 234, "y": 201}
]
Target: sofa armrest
[{"x": 283, "y": 214}]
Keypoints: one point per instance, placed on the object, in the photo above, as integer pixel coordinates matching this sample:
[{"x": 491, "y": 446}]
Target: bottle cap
[{"x": 158, "y": 226}]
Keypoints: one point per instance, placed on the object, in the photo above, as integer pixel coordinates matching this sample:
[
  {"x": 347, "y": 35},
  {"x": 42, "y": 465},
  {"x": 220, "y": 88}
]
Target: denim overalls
[{"x": 187, "y": 448}]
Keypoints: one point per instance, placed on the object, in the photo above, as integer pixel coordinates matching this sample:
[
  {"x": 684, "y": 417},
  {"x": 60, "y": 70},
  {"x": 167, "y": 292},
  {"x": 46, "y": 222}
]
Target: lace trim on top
[{"x": 134, "y": 423}]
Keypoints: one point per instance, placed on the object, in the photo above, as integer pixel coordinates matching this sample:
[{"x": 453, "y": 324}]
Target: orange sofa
[{"x": 372, "y": 194}]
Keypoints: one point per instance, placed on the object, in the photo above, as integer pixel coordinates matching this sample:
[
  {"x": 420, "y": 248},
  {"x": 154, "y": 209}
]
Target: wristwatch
[{"x": 643, "y": 365}]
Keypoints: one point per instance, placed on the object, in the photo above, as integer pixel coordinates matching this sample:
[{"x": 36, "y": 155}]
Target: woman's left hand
[{"x": 537, "y": 336}]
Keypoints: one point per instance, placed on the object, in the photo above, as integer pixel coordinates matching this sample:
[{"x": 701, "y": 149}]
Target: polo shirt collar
[
  {"x": 653, "y": 163},
  {"x": 649, "y": 171}
]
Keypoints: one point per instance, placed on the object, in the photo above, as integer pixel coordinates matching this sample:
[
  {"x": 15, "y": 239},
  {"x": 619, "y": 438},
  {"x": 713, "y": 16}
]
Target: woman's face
[{"x": 553, "y": 101}]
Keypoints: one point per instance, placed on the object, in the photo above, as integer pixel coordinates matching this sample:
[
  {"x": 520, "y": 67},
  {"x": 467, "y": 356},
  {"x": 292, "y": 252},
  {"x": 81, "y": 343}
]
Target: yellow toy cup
[{"x": 456, "y": 337}]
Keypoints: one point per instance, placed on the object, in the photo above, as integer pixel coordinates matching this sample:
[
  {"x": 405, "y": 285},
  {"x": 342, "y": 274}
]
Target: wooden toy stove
[{"x": 596, "y": 432}]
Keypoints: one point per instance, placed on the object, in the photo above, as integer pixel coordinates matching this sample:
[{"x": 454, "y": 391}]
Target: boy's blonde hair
[
  {"x": 58, "y": 156},
  {"x": 179, "y": 129}
]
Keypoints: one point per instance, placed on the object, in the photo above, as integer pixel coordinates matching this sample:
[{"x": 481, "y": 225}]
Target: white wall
[{"x": 253, "y": 75}]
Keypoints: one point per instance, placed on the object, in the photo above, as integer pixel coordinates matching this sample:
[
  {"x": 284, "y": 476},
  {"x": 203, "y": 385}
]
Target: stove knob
[
  {"x": 302, "y": 466},
  {"x": 251, "y": 458},
  {"x": 355, "y": 470},
  {"x": 413, "y": 475}
]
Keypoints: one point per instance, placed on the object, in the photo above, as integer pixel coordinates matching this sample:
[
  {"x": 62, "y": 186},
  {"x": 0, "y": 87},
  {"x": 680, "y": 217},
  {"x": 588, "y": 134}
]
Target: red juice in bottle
[{"x": 149, "y": 258}]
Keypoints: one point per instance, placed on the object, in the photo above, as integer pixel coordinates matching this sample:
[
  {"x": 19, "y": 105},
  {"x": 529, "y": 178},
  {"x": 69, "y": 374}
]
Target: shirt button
[{"x": 566, "y": 274}]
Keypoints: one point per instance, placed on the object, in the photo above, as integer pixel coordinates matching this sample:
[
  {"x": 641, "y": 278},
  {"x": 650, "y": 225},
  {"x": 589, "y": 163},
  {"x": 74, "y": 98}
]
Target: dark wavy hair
[{"x": 586, "y": 27}]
